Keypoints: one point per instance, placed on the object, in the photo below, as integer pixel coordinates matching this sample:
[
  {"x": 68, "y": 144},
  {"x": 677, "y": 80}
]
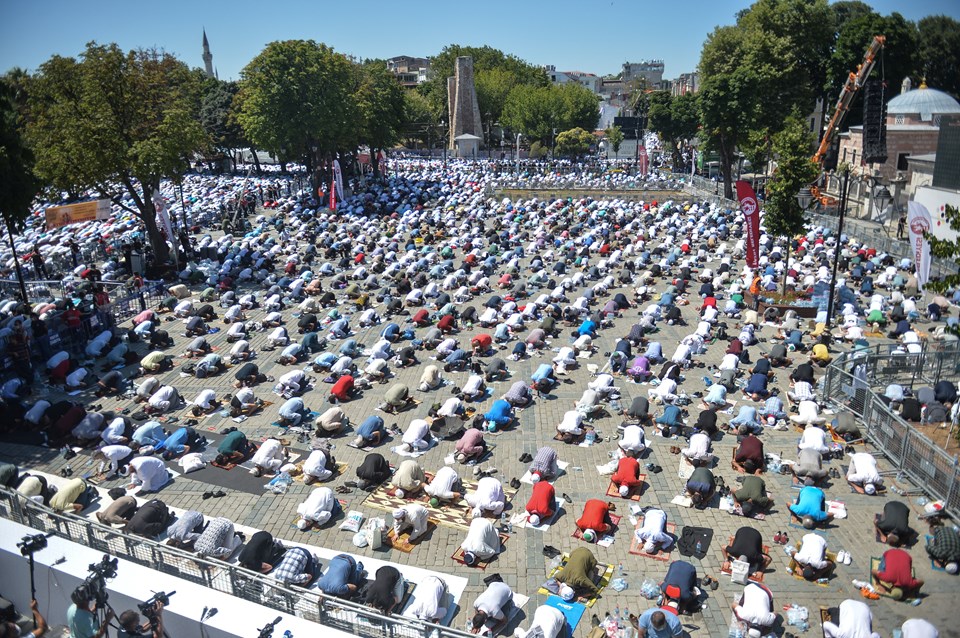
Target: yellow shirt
[
  {"x": 153, "y": 360},
  {"x": 820, "y": 352}
]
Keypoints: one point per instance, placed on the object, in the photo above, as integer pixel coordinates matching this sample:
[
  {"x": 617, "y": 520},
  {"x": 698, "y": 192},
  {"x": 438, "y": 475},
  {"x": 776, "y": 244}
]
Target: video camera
[
  {"x": 149, "y": 607},
  {"x": 95, "y": 586},
  {"x": 33, "y": 543}
]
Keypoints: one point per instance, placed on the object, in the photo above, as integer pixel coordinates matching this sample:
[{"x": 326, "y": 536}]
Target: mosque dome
[{"x": 925, "y": 102}]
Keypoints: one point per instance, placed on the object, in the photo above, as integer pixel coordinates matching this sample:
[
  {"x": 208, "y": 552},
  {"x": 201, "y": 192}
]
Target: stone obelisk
[{"x": 462, "y": 107}]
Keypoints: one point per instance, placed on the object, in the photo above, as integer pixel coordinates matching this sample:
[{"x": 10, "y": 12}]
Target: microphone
[
  {"x": 203, "y": 615},
  {"x": 213, "y": 612},
  {"x": 276, "y": 621}
]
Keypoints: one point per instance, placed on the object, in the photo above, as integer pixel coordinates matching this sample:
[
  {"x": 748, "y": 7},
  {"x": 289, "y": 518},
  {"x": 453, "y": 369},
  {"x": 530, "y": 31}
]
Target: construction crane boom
[{"x": 850, "y": 88}]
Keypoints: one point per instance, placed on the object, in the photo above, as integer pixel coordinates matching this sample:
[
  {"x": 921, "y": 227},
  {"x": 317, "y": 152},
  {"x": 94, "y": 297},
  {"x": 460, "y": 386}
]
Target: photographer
[
  {"x": 10, "y": 630},
  {"x": 130, "y": 626},
  {"x": 81, "y": 619}
]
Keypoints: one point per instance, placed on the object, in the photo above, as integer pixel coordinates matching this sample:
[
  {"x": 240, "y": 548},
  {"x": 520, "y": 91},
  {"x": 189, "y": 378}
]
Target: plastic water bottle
[
  {"x": 620, "y": 569},
  {"x": 699, "y": 547},
  {"x": 616, "y": 614}
]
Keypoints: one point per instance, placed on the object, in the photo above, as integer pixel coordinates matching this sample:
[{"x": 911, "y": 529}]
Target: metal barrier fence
[
  {"x": 230, "y": 579},
  {"x": 851, "y": 383}
]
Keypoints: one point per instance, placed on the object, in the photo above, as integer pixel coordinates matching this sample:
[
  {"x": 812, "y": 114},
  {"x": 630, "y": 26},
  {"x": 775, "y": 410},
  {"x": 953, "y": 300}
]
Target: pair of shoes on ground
[
  {"x": 526, "y": 457},
  {"x": 217, "y": 494}
]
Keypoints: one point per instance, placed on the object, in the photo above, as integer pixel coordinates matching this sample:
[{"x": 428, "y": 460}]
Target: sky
[{"x": 595, "y": 36}]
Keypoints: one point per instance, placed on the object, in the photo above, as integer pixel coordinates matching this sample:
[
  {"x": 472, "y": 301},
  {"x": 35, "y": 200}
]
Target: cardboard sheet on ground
[
  {"x": 450, "y": 459},
  {"x": 561, "y": 465},
  {"x": 416, "y": 453},
  {"x": 572, "y": 612},
  {"x": 686, "y": 468}
]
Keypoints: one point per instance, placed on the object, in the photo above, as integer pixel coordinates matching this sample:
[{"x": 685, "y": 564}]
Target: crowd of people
[{"x": 472, "y": 291}]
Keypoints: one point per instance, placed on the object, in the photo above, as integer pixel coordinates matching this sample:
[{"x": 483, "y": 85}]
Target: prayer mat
[
  {"x": 756, "y": 577},
  {"x": 795, "y": 570},
  {"x": 577, "y": 439},
  {"x": 635, "y": 492},
  {"x": 481, "y": 564},
  {"x": 456, "y": 515},
  {"x": 561, "y": 466},
  {"x": 416, "y": 453},
  {"x": 934, "y": 565},
  {"x": 519, "y": 519},
  {"x": 602, "y": 579},
  {"x": 614, "y": 526},
  {"x": 451, "y": 458},
  {"x": 572, "y": 612},
  {"x": 636, "y": 547},
  {"x": 879, "y": 536},
  {"x": 797, "y": 523},
  {"x": 686, "y": 468},
  {"x": 828, "y": 615},
  {"x": 840, "y": 440},
  {"x": 402, "y": 543},
  {"x": 874, "y": 566},
  {"x": 230, "y": 465}
]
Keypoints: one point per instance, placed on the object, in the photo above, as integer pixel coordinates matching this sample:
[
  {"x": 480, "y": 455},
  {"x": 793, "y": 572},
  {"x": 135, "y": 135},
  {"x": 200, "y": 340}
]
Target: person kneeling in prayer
[{"x": 320, "y": 507}]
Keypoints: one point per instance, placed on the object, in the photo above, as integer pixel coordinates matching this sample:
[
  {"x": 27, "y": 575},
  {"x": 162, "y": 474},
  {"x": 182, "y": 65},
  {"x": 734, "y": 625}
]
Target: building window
[
  {"x": 899, "y": 119},
  {"x": 812, "y": 123},
  {"x": 844, "y": 154},
  {"x": 902, "y": 161},
  {"x": 936, "y": 120}
]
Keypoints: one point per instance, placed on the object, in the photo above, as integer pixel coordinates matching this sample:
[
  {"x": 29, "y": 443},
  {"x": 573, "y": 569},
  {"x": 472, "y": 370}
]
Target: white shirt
[
  {"x": 472, "y": 386},
  {"x": 416, "y": 431},
  {"x": 426, "y": 603},
  {"x": 492, "y": 600},
  {"x": 863, "y": 468},
  {"x": 489, "y": 492},
  {"x": 316, "y": 463},
  {"x": 633, "y": 439},
  {"x": 269, "y": 450},
  {"x": 550, "y": 620},
  {"x": 320, "y": 500},
  {"x": 919, "y": 628},
  {"x": 699, "y": 446},
  {"x": 812, "y": 549},
  {"x": 112, "y": 433},
  {"x": 482, "y": 539},
  {"x": 442, "y": 484},
  {"x": 666, "y": 388},
  {"x": 856, "y": 621},
  {"x": 205, "y": 399},
  {"x": 756, "y": 607},
  {"x": 730, "y": 362},
  {"x": 813, "y": 437},
  {"x": 571, "y": 422}
]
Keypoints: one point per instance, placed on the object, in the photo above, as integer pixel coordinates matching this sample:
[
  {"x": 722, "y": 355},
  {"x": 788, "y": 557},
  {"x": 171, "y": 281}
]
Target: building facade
[
  {"x": 686, "y": 83},
  {"x": 410, "y": 71},
  {"x": 649, "y": 70},
  {"x": 588, "y": 80}
]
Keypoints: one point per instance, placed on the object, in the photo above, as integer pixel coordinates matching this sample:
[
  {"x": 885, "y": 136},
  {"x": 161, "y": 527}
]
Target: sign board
[{"x": 58, "y": 216}]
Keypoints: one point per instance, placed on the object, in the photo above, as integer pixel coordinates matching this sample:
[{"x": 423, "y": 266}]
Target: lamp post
[
  {"x": 489, "y": 133},
  {"x": 445, "y": 140},
  {"x": 842, "y": 210},
  {"x": 518, "y": 153},
  {"x": 882, "y": 198}
]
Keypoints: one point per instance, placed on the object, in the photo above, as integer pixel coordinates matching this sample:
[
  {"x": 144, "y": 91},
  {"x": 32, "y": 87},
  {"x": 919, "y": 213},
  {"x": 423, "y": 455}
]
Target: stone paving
[{"x": 523, "y": 565}]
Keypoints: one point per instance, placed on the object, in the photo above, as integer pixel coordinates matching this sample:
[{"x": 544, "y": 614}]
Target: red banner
[
  {"x": 333, "y": 195},
  {"x": 751, "y": 219}
]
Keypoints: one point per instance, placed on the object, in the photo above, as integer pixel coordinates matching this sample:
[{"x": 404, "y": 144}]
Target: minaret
[{"x": 207, "y": 56}]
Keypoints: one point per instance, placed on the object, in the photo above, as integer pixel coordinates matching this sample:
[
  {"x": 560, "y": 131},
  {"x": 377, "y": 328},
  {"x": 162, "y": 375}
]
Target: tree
[
  {"x": 495, "y": 75},
  {"x": 218, "y": 117},
  {"x": 116, "y": 122},
  {"x": 297, "y": 94},
  {"x": 753, "y": 72},
  {"x": 674, "y": 119},
  {"x": 795, "y": 170},
  {"x": 898, "y": 59},
  {"x": 946, "y": 249},
  {"x": 939, "y": 52},
  {"x": 574, "y": 142},
  {"x": 614, "y": 138},
  {"x": 380, "y": 106},
  {"x": 18, "y": 184},
  {"x": 536, "y": 111},
  {"x": 419, "y": 119}
]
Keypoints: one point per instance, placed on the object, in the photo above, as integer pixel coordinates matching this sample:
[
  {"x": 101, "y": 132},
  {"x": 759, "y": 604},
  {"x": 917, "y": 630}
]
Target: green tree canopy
[
  {"x": 948, "y": 249},
  {"x": 574, "y": 142},
  {"x": 939, "y": 54},
  {"x": 115, "y": 121},
  {"x": 18, "y": 184},
  {"x": 218, "y": 117},
  {"x": 536, "y": 111},
  {"x": 380, "y": 106},
  {"x": 295, "y": 94},
  {"x": 495, "y": 74},
  {"x": 674, "y": 119},
  {"x": 614, "y": 137}
]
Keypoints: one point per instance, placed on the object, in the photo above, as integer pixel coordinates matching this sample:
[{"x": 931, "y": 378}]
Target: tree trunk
[
  {"x": 256, "y": 161},
  {"x": 726, "y": 166},
  {"x": 374, "y": 164},
  {"x": 148, "y": 214}
]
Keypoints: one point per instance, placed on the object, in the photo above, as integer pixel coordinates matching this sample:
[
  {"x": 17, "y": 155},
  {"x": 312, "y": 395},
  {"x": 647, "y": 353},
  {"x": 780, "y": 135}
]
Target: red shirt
[
  {"x": 341, "y": 389},
  {"x": 594, "y": 515},
  {"x": 898, "y": 569},
  {"x": 482, "y": 340},
  {"x": 445, "y": 323},
  {"x": 628, "y": 469},
  {"x": 421, "y": 316},
  {"x": 709, "y": 302},
  {"x": 543, "y": 500},
  {"x": 750, "y": 448}
]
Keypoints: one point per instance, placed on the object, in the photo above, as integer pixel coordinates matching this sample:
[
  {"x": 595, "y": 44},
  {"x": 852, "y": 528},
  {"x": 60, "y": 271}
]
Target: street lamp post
[
  {"x": 445, "y": 140},
  {"x": 844, "y": 190},
  {"x": 518, "y": 154}
]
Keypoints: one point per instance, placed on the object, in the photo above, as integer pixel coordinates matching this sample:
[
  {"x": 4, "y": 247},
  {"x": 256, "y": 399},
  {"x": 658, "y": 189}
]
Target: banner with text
[
  {"x": 918, "y": 220},
  {"x": 58, "y": 216},
  {"x": 751, "y": 221}
]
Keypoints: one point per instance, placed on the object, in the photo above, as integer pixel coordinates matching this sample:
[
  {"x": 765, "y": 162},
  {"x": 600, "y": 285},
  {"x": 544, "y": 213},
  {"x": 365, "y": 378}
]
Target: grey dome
[{"x": 924, "y": 101}]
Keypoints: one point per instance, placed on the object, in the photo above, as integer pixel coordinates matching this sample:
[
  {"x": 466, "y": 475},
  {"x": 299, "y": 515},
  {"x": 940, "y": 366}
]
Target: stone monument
[{"x": 462, "y": 107}]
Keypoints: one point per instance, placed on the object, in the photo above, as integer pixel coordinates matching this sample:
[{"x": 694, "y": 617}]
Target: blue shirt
[
  {"x": 543, "y": 371},
  {"x": 499, "y": 412},
  {"x": 673, "y": 628},
  {"x": 670, "y": 416},
  {"x": 175, "y": 441},
  {"x": 370, "y": 425},
  {"x": 588, "y": 327},
  {"x": 291, "y": 408},
  {"x": 811, "y": 503},
  {"x": 339, "y": 574},
  {"x": 757, "y": 383},
  {"x": 80, "y": 622}
]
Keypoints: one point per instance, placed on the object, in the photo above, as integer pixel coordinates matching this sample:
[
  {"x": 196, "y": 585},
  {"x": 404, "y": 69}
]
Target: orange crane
[{"x": 850, "y": 88}]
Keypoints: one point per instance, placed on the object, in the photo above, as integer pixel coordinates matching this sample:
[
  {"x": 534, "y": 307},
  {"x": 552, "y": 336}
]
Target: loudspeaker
[
  {"x": 874, "y": 123},
  {"x": 946, "y": 170}
]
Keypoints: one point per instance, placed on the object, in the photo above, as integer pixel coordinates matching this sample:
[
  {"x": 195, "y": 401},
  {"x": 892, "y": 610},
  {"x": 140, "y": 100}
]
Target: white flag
[
  {"x": 338, "y": 179},
  {"x": 918, "y": 221},
  {"x": 163, "y": 217}
]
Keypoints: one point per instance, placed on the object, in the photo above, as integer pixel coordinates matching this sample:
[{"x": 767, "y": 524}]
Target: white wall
[{"x": 934, "y": 199}]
